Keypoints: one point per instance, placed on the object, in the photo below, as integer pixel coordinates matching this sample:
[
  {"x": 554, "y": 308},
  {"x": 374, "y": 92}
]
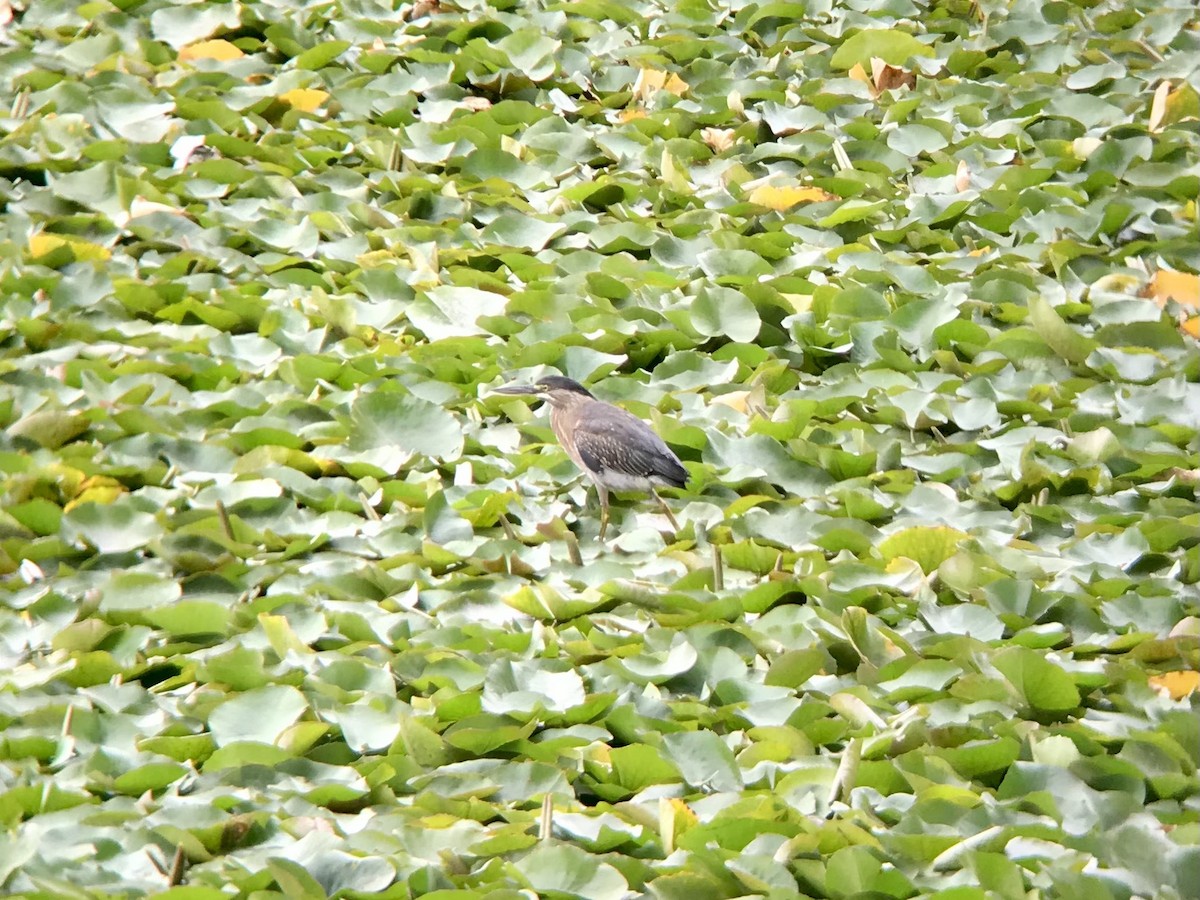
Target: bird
[{"x": 614, "y": 448}]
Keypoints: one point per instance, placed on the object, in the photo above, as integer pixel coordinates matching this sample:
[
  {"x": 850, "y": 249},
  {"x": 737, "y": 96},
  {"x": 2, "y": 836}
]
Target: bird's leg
[
  {"x": 662, "y": 504},
  {"x": 602, "y": 493}
]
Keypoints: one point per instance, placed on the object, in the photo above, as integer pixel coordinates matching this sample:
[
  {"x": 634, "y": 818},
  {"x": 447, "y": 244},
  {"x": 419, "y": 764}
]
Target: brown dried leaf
[
  {"x": 651, "y": 81},
  {"x": 420, "y": 10},
  {"x": 884, "y": 77},
  {"x": 1176, "y": 685},
  {"x": 962, "y": 176},
  {"x": 719, "y": 139},
  {"x": 1181, "y": 287}
]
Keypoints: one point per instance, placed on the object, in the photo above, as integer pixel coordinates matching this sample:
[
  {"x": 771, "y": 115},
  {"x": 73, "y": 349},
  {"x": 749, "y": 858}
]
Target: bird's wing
[{"x": 617, "y": 441}]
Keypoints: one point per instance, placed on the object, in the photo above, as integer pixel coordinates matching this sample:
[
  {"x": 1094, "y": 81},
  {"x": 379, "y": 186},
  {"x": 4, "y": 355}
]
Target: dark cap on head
[{"x": 562, "y": 383}]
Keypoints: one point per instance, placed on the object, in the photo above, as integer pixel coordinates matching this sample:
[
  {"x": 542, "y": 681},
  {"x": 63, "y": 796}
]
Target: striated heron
[{"x": 615, "y": 449}]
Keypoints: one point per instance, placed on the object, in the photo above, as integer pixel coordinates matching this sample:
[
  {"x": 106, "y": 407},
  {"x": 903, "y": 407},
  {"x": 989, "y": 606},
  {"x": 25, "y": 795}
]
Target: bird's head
[{"x": 557, "y": 389}]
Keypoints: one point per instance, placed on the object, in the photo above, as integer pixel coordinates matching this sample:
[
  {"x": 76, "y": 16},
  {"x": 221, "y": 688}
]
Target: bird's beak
[{"x": 517, "y": 389}]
